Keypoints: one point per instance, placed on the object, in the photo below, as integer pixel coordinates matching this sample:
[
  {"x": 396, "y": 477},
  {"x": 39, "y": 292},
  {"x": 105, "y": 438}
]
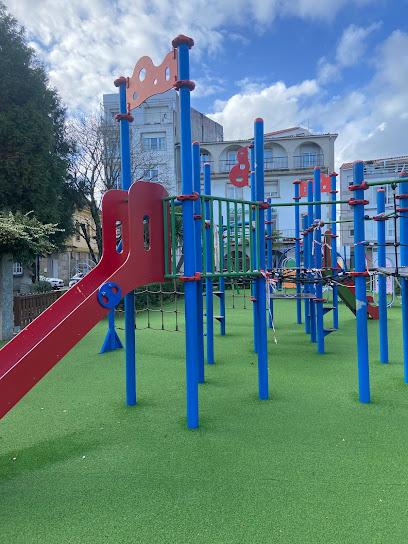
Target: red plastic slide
[
  {"x": 347, "y": 293},
  {"x": 45, "y": 341}
]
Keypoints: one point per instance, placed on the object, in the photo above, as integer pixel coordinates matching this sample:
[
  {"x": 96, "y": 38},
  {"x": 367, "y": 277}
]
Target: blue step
[
  {"x": 327, "y": 330},
  {"x": 327, "y": 309}
]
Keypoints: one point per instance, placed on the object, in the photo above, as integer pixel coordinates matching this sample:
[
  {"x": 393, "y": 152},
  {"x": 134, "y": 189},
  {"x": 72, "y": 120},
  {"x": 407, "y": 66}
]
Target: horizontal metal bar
[
  {"x": 385, "y": 182},
  {"x": 232, "y": 200},
  {"x": 329, "y": 202}
]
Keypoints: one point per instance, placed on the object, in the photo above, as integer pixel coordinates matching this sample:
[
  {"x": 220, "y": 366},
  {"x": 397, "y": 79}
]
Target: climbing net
[{"x": 159, "y": 307}]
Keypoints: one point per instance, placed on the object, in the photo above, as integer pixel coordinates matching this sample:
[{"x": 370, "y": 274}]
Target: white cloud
[
  {"x": 277, "y": 104},
  {"x": 349, "y": 52},
  {"x": 371, "y": 121},
  {"x": 326, "y": 71},
  {"x": 86, "y": 45},
  {"x": 353, "y": 44}
]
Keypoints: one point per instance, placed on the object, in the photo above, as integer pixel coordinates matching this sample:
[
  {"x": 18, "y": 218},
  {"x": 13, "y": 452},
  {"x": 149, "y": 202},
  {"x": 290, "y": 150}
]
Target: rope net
[{"x": 159, "y": 307}]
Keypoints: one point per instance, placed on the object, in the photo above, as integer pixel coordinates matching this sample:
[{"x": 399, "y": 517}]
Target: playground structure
[{"x": 147, "y": 254}]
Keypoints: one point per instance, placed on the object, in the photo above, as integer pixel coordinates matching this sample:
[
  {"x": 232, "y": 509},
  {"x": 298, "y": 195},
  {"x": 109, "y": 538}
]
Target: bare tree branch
[{"x": 95, "y": 166}]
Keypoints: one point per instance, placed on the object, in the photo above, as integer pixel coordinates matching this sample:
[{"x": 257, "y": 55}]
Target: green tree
[
  {"x": 33, "y": 146},
  {"x": 24, "y": 237}
]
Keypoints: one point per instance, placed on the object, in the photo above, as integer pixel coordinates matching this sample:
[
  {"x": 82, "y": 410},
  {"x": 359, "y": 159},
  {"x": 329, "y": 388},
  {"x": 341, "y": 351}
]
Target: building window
[
  {"x": 309, "y": 159},
  {"x": 268, "y": 158},
  {"x": 230, "y": 161},
  {"x": 272, "y": 189},
  {"x": 389, "y": 194},
  {"x": 234, "y": 192},
  {"x": 77, "y": 232},
  {"x": 351, "y": 233},
  {"x": 274, "y": 219},
  {"x": 154, "y": 114},
  {"x": 237, "y": 194},
  {"x": 17, "y": 269},
  {"x": 154, "y": 142},
  {"x": 204, "y": 157},
  {"x": 151, "y": 175}
]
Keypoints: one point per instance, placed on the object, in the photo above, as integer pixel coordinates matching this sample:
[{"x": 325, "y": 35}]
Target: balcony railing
[
  {"x": 287, "y": 234},
  {"x": 227, "y": 164},
  {"x": 378, "y": 169},
  {"x": 308, "y": 160},
  {"x": 276, "y": 163}
]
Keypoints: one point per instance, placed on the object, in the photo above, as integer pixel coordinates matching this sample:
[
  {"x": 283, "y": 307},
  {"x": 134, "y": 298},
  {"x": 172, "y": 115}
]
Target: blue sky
[{"x": 338, "y": 65}]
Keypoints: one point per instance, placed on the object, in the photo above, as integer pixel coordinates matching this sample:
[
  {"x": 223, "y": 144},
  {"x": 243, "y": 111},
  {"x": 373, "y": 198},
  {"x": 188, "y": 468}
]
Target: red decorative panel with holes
[
  {"x": 325, "y": 183},
  {"x": 148, "y": 79},
  {"x": 239, "y": 173}
]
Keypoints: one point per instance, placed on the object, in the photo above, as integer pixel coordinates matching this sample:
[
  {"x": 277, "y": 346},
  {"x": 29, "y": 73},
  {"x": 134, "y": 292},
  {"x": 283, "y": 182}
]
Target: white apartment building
[
  {"x": 290, "y": 154},
  {"x": 374, "y": 170},
  {"x": 155, "y": 134}
]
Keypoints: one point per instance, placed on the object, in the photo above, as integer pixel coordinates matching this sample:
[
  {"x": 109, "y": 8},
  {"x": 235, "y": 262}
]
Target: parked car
[
  {"x": 56, "y": 283},
  {"x": 75, "y": 279}
]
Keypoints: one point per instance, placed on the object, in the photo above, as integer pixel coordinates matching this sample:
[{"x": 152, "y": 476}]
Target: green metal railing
[{"x": 235, "y": 236}]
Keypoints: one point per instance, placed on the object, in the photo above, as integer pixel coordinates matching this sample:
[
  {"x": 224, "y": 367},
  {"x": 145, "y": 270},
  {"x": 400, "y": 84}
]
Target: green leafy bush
[{"x": 40, "y": 287}]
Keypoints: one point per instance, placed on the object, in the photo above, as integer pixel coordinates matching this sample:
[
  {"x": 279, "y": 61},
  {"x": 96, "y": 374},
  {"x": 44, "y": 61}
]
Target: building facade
[
  {"x": 76, "y": 258},
  {"x": 374, "y": 170},
  {"x": 289, "y": 155},
  {"x": 155, "y": 136}
]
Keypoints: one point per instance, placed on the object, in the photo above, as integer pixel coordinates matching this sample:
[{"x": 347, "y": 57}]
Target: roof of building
[
  {"x": 284, "y": 130},
  {"x": 347, "y": 165},
  {"x": 276, "y": 134}
]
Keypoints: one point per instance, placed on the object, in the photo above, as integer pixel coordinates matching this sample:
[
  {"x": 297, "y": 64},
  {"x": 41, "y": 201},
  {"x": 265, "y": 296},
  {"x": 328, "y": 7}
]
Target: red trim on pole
[
  {"x": 196, "y": 277},
  {"x": 120, "y": 81},
  {"x": 195, "y": 196},
  {"x": 353, "y": 202},
  {"x": 181, "y": 39},
  {"x": 124, "y": 117},
  {"x": 365, "y": 273},
  {"x": 184, "y": 83},
  {"x": 363, "y": 186}
]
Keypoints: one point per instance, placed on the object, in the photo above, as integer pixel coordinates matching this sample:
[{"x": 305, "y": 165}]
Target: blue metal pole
[
  {"x": 209, "y": 301},
  {"x": 199, "y": 266},
  {"x": 190, "y": 290},
  {"x": 130, "y": 297},
  {"x": 382, "y": 280},
  {"x": 318, "y": 253},
  {"x": 360, "y": 282},
  {"x": 311, "y": 247},
  {"x": 253, "y": 234},
  {"x": 222, "y": 283},
  {"x": 296, "y": 198},
  {"x": 305, "y": 222},
  {"x": 403, "y": 191},
  {"x": 269, "y": 252},
  {"x": 260, "y": 281},
  {"x": 333, "y": 192}
]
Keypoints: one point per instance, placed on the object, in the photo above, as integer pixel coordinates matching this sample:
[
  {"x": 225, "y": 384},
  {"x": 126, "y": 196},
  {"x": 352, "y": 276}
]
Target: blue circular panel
[{"x": 109, "y": 295}]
